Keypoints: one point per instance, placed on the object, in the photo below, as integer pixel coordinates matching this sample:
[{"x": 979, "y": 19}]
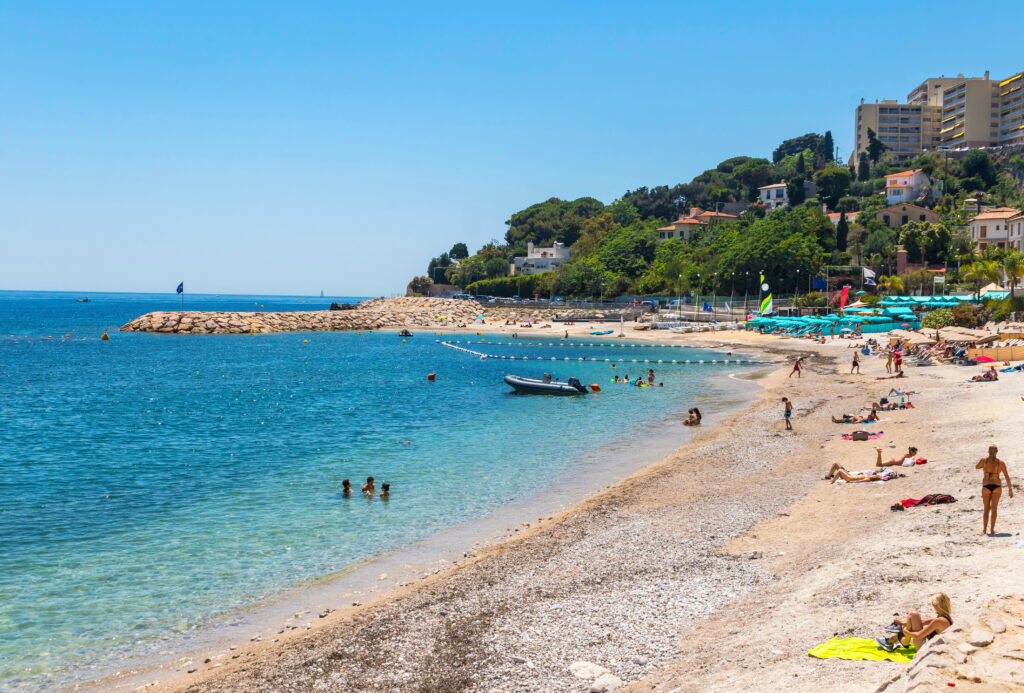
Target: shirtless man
[
  {"x": 847, "y": 418},
  {"x": 789, "y": 413},
  {"x": 908, "y": 460},
  {"x": 368, "y": 488},
  {"x": 991, "y": 487}
]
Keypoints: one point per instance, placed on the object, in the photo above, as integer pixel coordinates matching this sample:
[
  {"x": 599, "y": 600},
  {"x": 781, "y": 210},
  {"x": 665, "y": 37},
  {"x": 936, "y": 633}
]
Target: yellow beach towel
[{"x": 860, "y": 648}]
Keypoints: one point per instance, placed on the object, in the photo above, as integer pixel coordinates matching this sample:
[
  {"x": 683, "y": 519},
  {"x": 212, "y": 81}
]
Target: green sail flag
[{"x": 766, "y": 305}]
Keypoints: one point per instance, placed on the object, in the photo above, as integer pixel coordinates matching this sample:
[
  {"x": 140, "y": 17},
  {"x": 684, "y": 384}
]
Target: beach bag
[{"x": 859, "y": 435}]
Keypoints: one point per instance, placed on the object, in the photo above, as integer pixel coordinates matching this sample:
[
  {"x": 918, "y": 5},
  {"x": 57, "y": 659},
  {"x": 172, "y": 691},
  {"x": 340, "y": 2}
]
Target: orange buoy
[
  {"x": 430, "y": 377},
  {"x": 105, "y": 337},
  {"x": 594, "y": 387}
]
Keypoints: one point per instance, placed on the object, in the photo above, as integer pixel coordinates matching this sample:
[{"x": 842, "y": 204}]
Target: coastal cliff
[{"x": 378, "y": 313}]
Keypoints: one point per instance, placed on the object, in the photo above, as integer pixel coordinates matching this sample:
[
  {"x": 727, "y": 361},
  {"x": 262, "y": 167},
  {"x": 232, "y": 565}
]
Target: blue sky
[{"x": 293, "y": 147}]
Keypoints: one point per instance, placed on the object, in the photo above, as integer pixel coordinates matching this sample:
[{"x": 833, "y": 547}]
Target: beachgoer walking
[
  {"x": 888, "y": 361},
  {"x": 788, "y": 413},
  {"x": 796, "y": 368},
  {"x": 832, "y": 331},
  {"x": 991, "y": 487},
  {"x": 899, "y": 361},
  {"x": 856, "y": 362}
]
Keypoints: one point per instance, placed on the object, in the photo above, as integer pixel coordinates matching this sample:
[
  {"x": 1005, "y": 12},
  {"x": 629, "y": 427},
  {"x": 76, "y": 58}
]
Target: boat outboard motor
[
  {"x": 547, "y": 377},
  {"x": 575, "y": 382}
]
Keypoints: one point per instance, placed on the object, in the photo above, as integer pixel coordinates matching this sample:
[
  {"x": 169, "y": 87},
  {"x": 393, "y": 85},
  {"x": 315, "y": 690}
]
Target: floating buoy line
[{"x": 484, "y": 356}]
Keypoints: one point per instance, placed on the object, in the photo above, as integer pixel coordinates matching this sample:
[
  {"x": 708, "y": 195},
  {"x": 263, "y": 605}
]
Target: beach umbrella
[
  {"x": 846, "y": 329},
  {"x": 984, "y": 359},
  {"x": 906, "y": 324},
  {"x": 860, "y": 293},
  {"x": 598, "y": 315}
]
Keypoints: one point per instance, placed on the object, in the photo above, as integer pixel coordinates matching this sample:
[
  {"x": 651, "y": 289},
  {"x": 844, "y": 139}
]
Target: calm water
[{"x": 150, "y": 482}]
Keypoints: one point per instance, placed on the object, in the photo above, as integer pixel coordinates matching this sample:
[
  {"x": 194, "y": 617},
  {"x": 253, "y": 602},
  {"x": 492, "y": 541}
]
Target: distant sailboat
[{"x": 321, "y": 293}]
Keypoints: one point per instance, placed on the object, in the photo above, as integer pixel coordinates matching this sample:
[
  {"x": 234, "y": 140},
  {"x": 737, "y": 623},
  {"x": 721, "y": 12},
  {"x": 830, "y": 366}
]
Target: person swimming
[
  {"x": 385, "y": 491},
  {"x": 346, "y": 488},
  {"x": 368, "y": 488}
]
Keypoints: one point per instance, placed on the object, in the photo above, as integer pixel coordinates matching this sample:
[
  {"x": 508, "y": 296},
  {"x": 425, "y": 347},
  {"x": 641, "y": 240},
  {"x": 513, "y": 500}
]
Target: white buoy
[{"x": 702, "y": 361}]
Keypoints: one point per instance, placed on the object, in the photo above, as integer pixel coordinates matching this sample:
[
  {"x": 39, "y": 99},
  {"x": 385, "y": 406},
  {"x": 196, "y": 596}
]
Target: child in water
[
  {"x": 346, "y": 488},
  {"x": 385, "y": 491}
]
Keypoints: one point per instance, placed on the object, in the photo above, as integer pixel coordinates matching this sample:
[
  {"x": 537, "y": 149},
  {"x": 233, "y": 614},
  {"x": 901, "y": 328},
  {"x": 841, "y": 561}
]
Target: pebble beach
[{"x": 716, "y": 568}]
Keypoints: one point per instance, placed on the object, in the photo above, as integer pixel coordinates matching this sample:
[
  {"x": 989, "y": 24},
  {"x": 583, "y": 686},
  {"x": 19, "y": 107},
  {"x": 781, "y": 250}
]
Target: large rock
[
  {"x": 587, "y": 671},
  {"x": 605, "y": 683}
]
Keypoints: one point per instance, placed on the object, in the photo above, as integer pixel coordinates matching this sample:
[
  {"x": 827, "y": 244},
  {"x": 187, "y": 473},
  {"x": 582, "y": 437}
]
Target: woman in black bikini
[
  {"x": 916, "y": 630},
  {"x": 991, "y": 487}
]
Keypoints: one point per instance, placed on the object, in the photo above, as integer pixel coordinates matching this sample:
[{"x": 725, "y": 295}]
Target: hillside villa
[
  {"x": 898, "y": 215},
  {"x": 1002, "y": 227},
  {"x": 539, "y": 260},
  {"x": 684, "y": 226},
  {"x": 905, "y": 185}
]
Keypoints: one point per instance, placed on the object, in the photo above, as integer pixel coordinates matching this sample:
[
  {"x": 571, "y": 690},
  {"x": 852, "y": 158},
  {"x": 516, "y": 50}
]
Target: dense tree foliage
[
  {"x": 552, "y": 220},
  {"x": 811, "y": 140}
]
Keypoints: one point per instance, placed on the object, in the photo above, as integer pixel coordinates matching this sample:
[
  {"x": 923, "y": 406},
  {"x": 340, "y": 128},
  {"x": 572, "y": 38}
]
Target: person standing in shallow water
[
  {"x": 788, "y": 413},
  {"x": 796, "y": 368},
  {"x": 368, "y": 488},
  {"x": 992, "y": 487}
]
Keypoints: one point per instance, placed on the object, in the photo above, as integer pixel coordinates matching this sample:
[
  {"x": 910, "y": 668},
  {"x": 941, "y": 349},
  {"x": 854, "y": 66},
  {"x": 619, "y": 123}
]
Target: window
[
  {"x": 921, "y": 217},
  {"x": 661, "y": 234},
  {"x": 983, "y": 233},
  {"x": 885, "y": 218},
  {"x": 905, "y": 219}
]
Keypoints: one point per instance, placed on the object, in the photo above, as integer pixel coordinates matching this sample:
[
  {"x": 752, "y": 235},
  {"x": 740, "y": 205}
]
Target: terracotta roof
[
  {"x": 998, "y": 213},
  {"x": 689, "y": 220},
  {"x": 773, "y": 185},
  {"x": 722, "y": 215},
  {"x": 667, "y": 228},
  {"x": 904, "y": 173},
  {"x": 849, "y": 215}
]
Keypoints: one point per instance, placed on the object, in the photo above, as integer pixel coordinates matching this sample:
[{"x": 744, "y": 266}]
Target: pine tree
[
  {"x": 801, "y": 166},
  {"x": 864, "y": 167},
  {"x": 875, "y": 147},
  {"x": 826, "y": 147},
  {"x": 842, "y": 232}
]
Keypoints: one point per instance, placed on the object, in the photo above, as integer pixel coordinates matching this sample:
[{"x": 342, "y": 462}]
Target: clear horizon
[{"x": 285, "y": 151}]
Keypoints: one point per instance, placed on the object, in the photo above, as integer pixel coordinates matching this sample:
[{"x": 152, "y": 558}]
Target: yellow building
[
  {"x": 970, "y": 113},
  {"x": 905, "y": 129}
]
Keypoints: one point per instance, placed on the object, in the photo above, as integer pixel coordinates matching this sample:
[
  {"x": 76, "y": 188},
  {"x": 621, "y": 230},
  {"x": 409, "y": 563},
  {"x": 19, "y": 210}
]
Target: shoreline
[{"x": 405, "y": 568}]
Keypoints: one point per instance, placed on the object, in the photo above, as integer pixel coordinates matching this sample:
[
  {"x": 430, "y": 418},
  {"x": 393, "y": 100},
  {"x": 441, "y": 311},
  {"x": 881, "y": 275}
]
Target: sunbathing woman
[
  {"x": 908, "y": 460},
  {"x": 850, "y": 419},
  {"x": 916, "y": 630},
  {"x": 991, "y": 487},
  {"x": 838, "y": 472},
  {"x": 694, "y": 418},
  {"x": 987, "y": 376}
]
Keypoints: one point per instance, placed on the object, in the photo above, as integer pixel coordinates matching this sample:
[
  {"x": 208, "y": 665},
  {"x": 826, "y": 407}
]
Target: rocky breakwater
[{"x": 378, "y": 313}]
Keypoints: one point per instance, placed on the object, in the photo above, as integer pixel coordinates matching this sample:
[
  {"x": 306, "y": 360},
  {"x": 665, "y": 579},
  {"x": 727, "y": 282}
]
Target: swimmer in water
[
  {"x": 346, "y": 488},
  {"x": 368, "y": 488},
  {"x": 406, "y": 442},
  {"x": 385, "y": 491}
]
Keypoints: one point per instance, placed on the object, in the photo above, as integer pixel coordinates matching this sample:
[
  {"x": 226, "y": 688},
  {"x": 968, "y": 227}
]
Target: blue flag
[
  {"x": 820, "y": 285},
  {"x": 707, "y": 307},
  {"x": 181, "y": 288}
]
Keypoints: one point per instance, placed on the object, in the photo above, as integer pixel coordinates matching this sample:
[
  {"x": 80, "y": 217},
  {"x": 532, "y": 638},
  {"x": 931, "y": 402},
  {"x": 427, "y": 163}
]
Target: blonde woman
[
  {"x": 916, "y": 630},
  {"x": 991, "y": 487}
]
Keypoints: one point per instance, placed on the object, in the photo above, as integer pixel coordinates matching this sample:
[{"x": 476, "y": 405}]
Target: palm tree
[
  {"x": 1013, "y": 268},
  {"x": 891, "y": 285},
  {"x": 981, "y": 273}
]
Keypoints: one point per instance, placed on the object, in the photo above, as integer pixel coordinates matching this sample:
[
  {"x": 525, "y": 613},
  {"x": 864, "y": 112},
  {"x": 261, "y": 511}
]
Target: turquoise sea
[{"x": 150, "y": 484}]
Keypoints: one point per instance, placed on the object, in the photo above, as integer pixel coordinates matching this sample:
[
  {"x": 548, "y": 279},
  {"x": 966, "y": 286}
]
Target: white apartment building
[{"x": 539, "y": 260}]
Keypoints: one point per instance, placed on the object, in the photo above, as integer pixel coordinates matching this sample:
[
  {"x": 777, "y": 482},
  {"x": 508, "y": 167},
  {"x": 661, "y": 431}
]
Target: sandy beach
[{"x": 716, "y": 568}]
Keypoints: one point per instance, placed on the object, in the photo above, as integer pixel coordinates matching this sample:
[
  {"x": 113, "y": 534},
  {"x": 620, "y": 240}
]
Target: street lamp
[{"x": 679, "y": 297}]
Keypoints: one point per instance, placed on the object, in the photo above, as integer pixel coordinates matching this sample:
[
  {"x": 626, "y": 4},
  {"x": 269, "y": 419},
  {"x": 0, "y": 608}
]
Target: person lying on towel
[
  {"x": 838, "y": 472},
  {"x": 852, "y": 419}
]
